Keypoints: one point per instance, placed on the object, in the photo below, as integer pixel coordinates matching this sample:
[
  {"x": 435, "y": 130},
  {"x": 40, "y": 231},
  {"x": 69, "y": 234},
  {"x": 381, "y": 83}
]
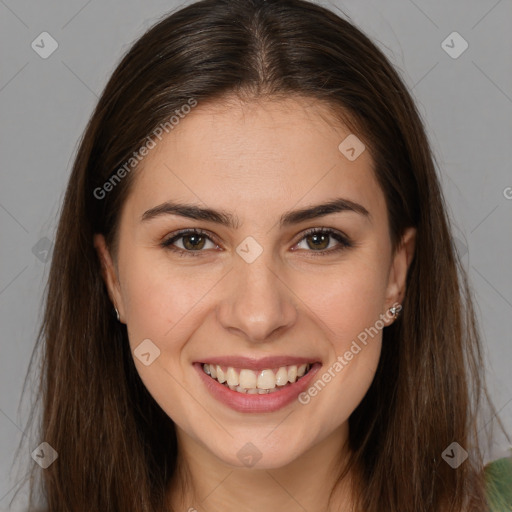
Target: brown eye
[
  {"x": 189, "y": 242},
  {"x": 193, "y": 242},
  {"x": 318, "y": 241}
]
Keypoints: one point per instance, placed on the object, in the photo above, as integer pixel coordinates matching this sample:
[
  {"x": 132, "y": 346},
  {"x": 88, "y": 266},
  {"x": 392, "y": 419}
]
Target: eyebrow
[{"x": 224, "y": 218}]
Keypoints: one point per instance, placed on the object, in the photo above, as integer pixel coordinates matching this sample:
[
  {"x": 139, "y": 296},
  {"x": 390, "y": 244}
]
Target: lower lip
[{"x": 269, "y": 402}]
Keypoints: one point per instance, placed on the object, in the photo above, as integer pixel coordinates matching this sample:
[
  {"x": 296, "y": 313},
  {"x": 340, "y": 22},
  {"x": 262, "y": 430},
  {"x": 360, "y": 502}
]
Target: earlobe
[{"x": 108, "y": 272}]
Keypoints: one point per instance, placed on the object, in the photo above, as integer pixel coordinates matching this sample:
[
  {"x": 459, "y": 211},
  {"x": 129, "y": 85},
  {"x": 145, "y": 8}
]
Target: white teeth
[
  {"x": 248, "y": 379},
  {"x": 251, "y": 382},
  {"x": 232, "y": 377},
  {"x": 221, "y": 377},
  {"x": 266, "y": 380},
  {"x": 281, "y": 376}
]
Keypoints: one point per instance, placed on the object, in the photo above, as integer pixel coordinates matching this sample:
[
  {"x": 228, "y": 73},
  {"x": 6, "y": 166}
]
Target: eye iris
[
  {"x": 197, "y": 244},
  {"x": 319, "y": 240}
]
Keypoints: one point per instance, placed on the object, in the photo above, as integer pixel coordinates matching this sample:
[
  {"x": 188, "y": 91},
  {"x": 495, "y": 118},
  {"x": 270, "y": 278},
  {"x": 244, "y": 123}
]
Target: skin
[{"x": 256, "y": 160}]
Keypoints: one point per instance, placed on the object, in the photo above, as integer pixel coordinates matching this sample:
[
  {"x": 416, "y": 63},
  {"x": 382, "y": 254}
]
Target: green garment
[{"x": 498, "y": 477}]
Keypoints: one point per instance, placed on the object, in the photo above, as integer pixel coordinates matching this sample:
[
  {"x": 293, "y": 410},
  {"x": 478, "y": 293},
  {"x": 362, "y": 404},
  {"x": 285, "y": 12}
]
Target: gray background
[{"x": 466, "y": 103}]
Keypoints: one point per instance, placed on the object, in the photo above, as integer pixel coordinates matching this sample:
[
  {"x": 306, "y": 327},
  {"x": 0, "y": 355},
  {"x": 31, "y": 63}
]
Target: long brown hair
[{"x": 117, "y": 448}]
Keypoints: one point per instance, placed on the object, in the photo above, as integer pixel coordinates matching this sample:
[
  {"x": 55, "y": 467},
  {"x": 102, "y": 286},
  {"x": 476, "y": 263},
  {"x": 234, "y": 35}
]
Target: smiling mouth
[{"x": 260, "y": 382}]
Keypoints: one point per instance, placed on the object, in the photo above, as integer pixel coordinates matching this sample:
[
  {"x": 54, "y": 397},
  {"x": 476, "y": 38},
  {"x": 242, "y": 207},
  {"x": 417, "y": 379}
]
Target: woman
[{"x": 256, "y": 200}]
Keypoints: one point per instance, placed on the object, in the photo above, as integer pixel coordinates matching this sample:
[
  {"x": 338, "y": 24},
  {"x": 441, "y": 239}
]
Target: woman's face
[{"x": 254, "y": 292}]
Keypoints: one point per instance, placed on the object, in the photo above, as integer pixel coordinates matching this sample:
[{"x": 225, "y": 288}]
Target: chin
[{"x": 260, "y": 452}]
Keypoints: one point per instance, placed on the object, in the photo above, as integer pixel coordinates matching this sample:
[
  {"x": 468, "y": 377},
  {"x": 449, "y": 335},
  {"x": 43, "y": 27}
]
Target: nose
[{"x": 257, "y": 304}]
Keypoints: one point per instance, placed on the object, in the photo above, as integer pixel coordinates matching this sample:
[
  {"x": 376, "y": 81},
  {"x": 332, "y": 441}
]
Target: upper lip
[{"x": 258, "y": 364}]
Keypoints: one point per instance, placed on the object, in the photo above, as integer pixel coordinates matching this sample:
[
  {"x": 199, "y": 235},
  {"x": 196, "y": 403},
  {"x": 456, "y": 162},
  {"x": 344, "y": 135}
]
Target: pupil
[
  {"x": 319, "y": 239},
  {"x": 193, "y": 241}
]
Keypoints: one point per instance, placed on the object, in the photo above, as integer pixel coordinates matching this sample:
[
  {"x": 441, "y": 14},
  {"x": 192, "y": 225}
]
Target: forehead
[{"x": 265, "y": 156}]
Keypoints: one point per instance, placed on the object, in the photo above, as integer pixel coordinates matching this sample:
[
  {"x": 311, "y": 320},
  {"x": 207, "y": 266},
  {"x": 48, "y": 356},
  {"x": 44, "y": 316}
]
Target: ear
[
  {"x": 404, "y": 254},
  {"x": 109, "y": 273}
]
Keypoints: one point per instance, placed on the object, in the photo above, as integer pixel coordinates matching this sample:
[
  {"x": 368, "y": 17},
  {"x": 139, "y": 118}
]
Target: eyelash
[{"x": 344, "y": 242}]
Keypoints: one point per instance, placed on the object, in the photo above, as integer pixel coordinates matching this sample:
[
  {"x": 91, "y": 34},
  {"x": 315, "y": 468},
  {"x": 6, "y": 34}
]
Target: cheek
[
  {"x": 162, "y": 305},
  {"x": 166, "y": 305},
  {"x": 347, "y": 304},
  {"x": 158, "y": 295},
  {"x": 348, "y": 312},
  {"x": 347, "y": 299}
]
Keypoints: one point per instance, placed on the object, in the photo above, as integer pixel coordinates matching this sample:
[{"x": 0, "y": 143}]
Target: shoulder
[{"x": 498, "y": 479}]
